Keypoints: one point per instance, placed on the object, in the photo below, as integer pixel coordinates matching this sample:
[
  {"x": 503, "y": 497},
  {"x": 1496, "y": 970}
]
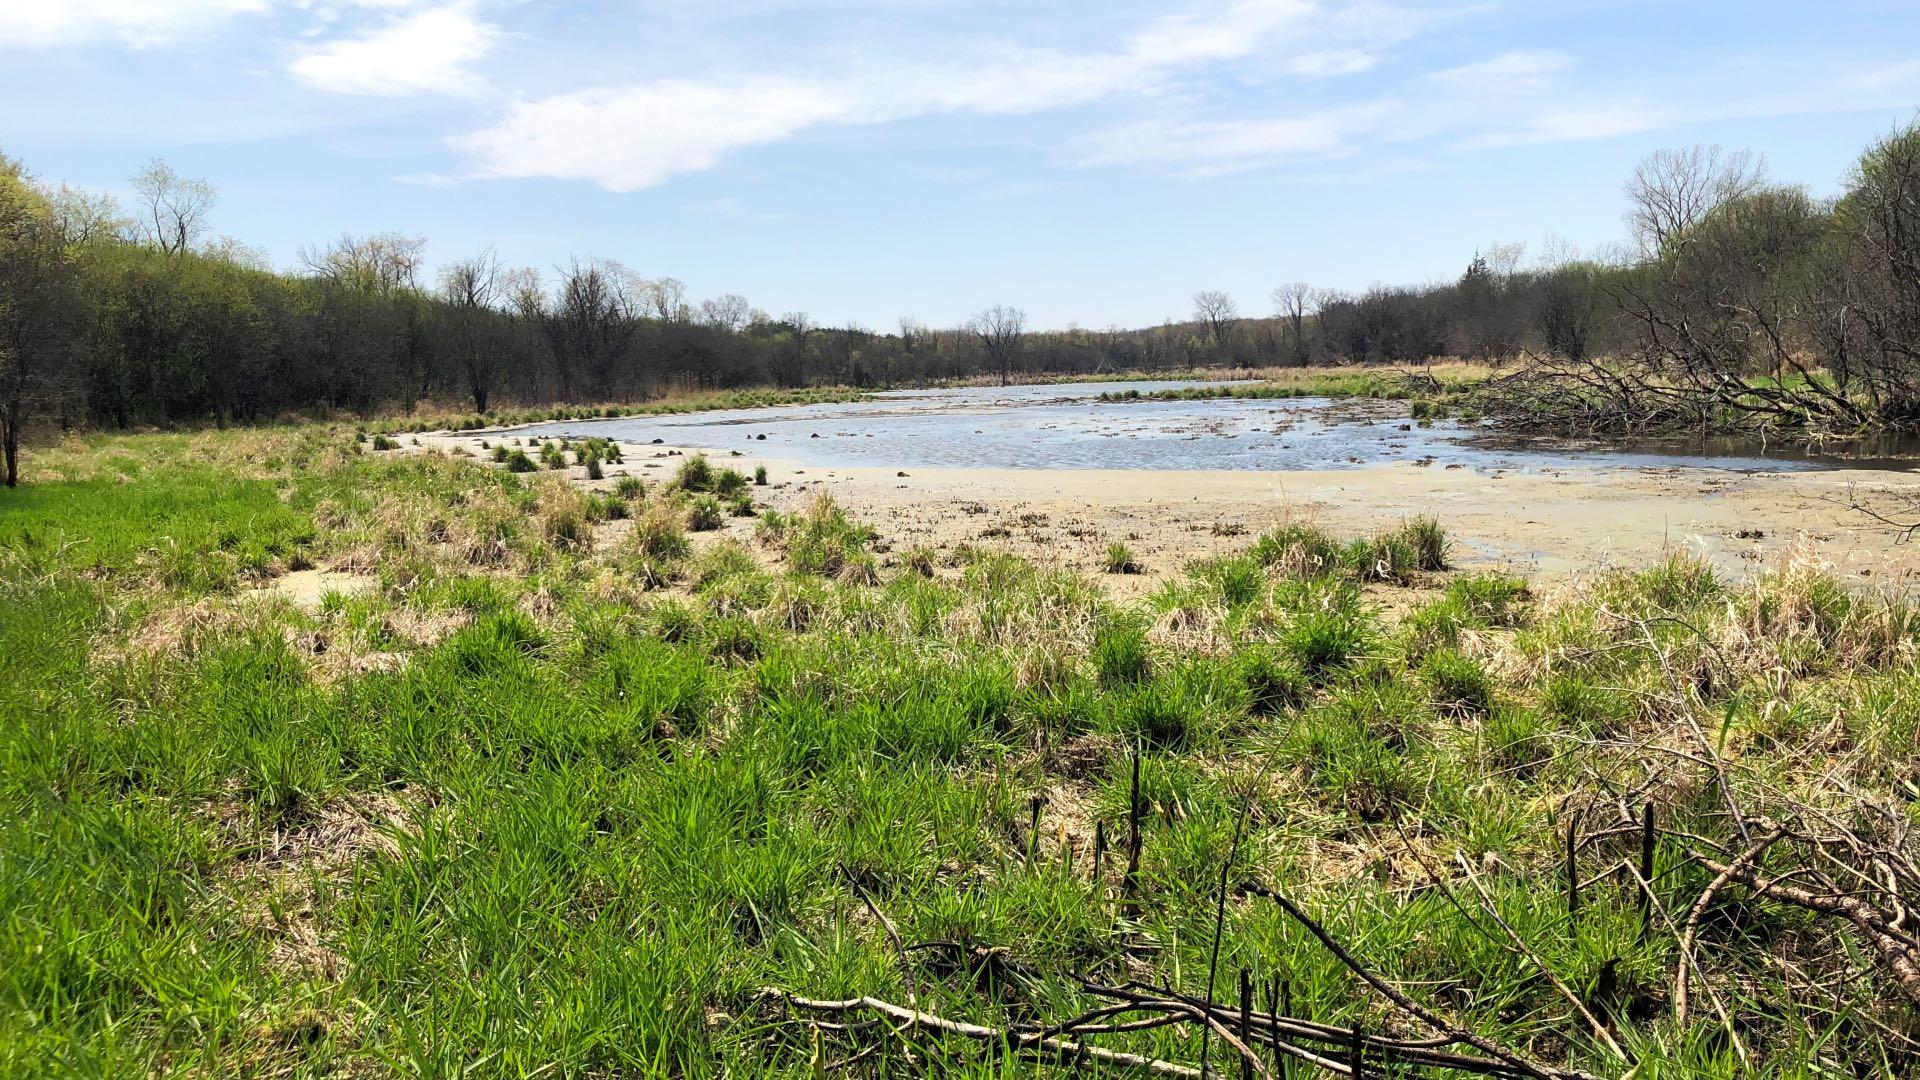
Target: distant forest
[{"x": 124, "y": 315}]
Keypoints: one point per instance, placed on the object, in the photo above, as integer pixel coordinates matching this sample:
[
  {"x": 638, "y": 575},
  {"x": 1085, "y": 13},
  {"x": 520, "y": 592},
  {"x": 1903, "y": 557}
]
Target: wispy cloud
[
  {"x": 1523, "y": 72},
  {"x": 428, "y": 51},
  {"x": 630, "y": 137},
  {"x": 1212, "y": 147},
  {"x": 134, "y": 23}
]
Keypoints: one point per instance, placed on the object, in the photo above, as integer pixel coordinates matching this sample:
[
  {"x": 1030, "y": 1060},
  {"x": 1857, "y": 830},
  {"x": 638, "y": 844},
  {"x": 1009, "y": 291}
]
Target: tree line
[{"x": 115, "y": 316}]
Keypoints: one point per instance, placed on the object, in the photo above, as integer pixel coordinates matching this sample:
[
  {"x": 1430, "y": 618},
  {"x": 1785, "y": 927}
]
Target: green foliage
[
  {"x": 1120, "y": 559},
  {"x": 695, "y": 474},
  {"x": 553, "y": 814},
  {"x": 704, "y": 514},
  {"x": 1120, "y": 653}
]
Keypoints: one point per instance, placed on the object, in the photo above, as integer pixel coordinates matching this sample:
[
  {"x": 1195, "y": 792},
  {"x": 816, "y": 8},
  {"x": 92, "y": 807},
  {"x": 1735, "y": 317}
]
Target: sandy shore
[{"x": 1549, "y": 523}]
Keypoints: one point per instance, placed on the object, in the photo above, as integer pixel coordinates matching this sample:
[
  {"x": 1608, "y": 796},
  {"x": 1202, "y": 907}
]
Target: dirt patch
[
  {"x": 307, "y": 588},
  {"x": 276, "y": 879}
]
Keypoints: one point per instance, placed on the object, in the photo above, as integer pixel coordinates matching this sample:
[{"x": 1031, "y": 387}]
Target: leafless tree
[
  {"x": 999, "y": 330},
  {"x": 173, "y": 208},
  {"x": 728, "y": 312},
  {"x": 790, "y": 360},
  {"x": 1504, "y": 259},
  {"x": 1294, "y": 302},
  {"x": 1218, "y": 312},
  {"x": 1671, "y": 190},
  {"x": 590, "y": 322},
  {"x": 470, "y": 288},
  {"x": 667, "y": 299},
  {"x": 913, "y": 334}
]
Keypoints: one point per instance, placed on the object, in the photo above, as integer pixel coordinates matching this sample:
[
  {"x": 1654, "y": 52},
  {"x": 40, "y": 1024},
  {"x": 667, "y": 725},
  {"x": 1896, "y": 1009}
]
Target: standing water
[{"x": 1066, "y": 426}]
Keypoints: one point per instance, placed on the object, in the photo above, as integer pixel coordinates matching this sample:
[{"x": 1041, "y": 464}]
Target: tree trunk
[{"x": 10, "y": 442}]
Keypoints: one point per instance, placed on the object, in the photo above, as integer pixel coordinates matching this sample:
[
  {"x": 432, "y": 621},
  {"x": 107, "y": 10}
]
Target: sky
[{"x": 1094, "y": 163}]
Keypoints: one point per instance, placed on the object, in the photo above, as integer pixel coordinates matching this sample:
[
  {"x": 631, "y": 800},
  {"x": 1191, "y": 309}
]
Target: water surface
[{"x": 1064, "y": 426}]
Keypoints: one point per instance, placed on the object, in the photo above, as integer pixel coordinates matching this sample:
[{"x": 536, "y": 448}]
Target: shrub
[
  {"x": 563, "y": 515},
  {"x": 1428, "y": 542},
  {"x": 1296, "y": 550},
  {"x": 741, "y": 505},
  {"x": 704, "y": 514},
  {"x": 630, "y": 488},
  {"x": 696, "y": 474},
  {"x": 593, "y": 469},
  {"x": 381, "y": 442},
  {"x": 729, "y": 483},
  {"x": 657, "y": 535},
  {"x": 760, "y": 475},
  {"x": 1383, "y": 558},
  {"x": 500, "y": 452},
  {"x": 1120, "y": 559},
  {"x": 820, "y": 540},
  {"x": 519, "y": 462}
]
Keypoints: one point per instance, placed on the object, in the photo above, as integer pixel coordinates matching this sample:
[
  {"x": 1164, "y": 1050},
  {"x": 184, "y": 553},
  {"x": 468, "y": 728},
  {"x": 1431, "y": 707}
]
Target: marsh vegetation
[{"x": 545, "y": 780}]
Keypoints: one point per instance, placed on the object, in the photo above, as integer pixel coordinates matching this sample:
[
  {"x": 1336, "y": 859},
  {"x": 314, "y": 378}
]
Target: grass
[
  {"x": 541, "y": 791},
  {"x": 1430, "y": 388}
]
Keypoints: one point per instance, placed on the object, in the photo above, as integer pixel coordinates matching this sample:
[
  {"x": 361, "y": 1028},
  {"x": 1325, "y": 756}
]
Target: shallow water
[{"x": 1064, "y": 426}]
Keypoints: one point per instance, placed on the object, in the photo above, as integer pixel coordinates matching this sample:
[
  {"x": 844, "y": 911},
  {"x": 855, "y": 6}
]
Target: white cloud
[
  {"x": 638, "y": 136},
  {"x": 1331, "y": 62},
  {"x": 1234, "y": 33},
  {"x": 631, "y": 137},
  {"x": 1580, "y": 123},
  {"x": 1527, "y": 71},
  {"x": 1209, "y": 148},
  {"x": 424, "y": 52},
  {"x": 1892, "y": 76},
  {"x": 137, "y": 23}
]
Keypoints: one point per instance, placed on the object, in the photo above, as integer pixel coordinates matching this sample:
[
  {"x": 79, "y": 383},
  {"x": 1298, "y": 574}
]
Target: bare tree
[
  {"x": 728, "y": 312},
  {"x": 1671, "y": 190},
  {"x": 999, "y": 329},
  {"x": 591, "y": 323},
  {"x": 667, "y": 299},
  {"x": 173, "y": 208},
  {"x": 1293, "y": 302},
  {"x": 790, "y": 362},
  {"x": 1504, "y": 259},
  {"x": 470, "y": 288},
  {"x": 1217, "y": 310}
]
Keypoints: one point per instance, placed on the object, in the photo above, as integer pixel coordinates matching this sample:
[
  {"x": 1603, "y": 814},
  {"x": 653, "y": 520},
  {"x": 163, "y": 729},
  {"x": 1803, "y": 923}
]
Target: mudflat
[{"x": 1549, "y": 521}]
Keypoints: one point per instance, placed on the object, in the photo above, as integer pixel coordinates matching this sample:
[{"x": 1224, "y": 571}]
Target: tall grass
[{"x": 554, "y": 795}]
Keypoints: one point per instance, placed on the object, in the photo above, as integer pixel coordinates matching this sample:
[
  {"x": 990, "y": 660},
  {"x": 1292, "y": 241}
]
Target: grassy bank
[
  {"x": 1440, "y": 389},
  {"x": 555, "y": 783}
]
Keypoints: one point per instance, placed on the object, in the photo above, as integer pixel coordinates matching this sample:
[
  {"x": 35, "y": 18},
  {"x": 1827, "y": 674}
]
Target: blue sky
[{"x": 863, "y": 160}]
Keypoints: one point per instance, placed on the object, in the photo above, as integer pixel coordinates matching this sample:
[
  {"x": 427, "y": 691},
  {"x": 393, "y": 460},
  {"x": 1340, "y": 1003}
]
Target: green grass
[{"x": 551, "y": 797}]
